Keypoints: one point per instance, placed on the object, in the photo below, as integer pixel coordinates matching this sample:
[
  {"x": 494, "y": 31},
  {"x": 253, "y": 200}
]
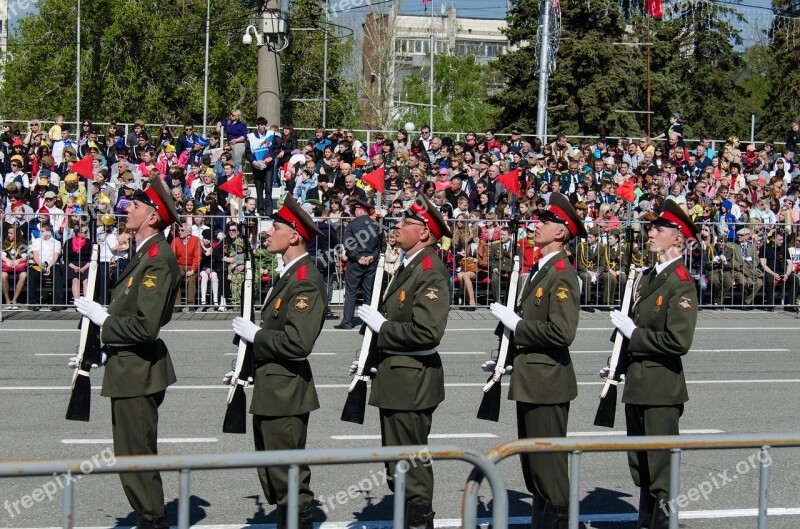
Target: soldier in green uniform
[
  {"x": 660, "y": 331},
  {"x": 409, "y": 383},
  {"x": 749, "y": 276},
  {"x": 617, "y": 258},
  {"x": 501, "y": 261},
  {"x": 593, "y": 269},
  {"x": 139, "y": 368},
  {"x": 290, "y": 322},
  {"x": 543, "y": 378},
  {"x": 724, "y": 259}
]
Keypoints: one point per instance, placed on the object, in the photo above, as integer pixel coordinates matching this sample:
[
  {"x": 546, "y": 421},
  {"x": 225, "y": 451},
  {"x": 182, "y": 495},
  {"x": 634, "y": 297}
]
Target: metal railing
[
  {"x": 184, "y": 465},
  {"x": 676, "y": 444}
]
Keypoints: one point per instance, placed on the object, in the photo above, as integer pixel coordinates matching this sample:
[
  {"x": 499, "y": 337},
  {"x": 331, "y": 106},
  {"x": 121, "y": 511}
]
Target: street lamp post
[
  {"x": 205, "y": 80},
  {"x": 78, "y": 77}
]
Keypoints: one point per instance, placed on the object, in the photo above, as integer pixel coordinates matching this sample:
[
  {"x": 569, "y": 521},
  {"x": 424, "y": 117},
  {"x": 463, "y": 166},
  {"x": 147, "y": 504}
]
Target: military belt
[{"x": 424, "y": 352}]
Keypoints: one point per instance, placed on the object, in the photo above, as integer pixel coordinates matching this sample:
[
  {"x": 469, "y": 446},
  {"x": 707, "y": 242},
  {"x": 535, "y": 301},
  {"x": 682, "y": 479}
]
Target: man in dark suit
[
  {"x": 291, "y": 320},
  {"x": 409, "y": 383},
  {"x": 139, "y": 367},
  {"x": 543, "y": 380},
  {"x": 501, "y": 260},
  {"x": 659, "y": 331}
]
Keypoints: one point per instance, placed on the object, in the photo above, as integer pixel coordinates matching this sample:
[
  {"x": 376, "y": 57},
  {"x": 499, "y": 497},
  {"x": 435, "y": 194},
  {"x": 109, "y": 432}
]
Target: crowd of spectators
[{"x": 744, "y": 197}]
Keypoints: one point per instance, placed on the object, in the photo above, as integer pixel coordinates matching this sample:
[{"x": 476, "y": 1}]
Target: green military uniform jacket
[
  {"x": 416, "y": 305},
  {"x": 592, "y": 260},
  {"x": 549, "y": 308},
  {"x": 751, "y": 266},
  {"x": 665, "y": 313},
  {"x": 291, "y": 320},
  {"x": 499, "y": 259},
  {"x": 141, "y": 303},
  {"x": 733, "y": 258},
  {"x": 617, "y": 257}
]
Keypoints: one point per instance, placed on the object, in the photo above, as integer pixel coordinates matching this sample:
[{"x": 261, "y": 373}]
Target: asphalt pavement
[{"x": 743, "y": 373}]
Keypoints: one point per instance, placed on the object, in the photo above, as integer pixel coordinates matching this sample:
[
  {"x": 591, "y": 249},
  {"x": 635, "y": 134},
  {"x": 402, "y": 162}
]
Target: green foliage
[
  {"x": 460, "y": 95},
  {"x": 145, "y": 59},
  {"x": 783, "y": 100}
]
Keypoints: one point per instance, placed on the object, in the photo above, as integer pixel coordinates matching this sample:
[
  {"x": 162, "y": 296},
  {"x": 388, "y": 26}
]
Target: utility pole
[
  {"x": 78, "y": 78},
  {"x": 544, "y": 59},
  {"x": 325, "y": 71},
  {"x": 268, "y": 102},
  {"x": 433, "y": 46}
]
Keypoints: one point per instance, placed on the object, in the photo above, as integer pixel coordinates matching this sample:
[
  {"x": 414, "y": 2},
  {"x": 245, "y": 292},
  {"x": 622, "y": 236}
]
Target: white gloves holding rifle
[
  {"x": 354, "y": 369},
  {"x": 246, "y": 329},
  {"x": 489, "y": 366},
  {"x": 371, "y": 317},
  {"x": 623, "y": 323},
  {"x": 507, "y": 316},
  {"x": 92, "y": 310},
  {"x": 228, "y": 378}
]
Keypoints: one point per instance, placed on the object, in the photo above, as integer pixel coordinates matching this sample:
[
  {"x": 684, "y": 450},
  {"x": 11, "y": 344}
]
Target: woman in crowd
[
  {"x": 77, "y": 255},
  {"x": 15, "y": 265},
  {"x": 473, "y": 264}
]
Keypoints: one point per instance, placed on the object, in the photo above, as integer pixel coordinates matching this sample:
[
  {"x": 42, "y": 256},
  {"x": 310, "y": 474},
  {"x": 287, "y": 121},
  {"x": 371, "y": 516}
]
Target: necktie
[
  {"x": 400, "y": 269},
  {"x": 532, "y": 272}
]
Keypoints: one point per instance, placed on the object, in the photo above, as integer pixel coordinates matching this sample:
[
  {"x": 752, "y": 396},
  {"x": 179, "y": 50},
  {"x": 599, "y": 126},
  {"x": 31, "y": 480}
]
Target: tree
[
  {"x": 593, "y": 77},
  {"x": 784, "y": 94},
  {"x": 377, "y": 75},
  {"x": 461, "y": 93}
]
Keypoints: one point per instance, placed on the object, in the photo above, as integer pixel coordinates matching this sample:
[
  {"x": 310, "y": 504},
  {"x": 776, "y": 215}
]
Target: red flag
[
  {"x": 83, "y": 168},
  {"x": 510, "y": 181},
  {"x": 234, "y": 186},
  {"x": 655, "y": 8},
  {"x": 375, "y": 179},
  {"x": 625, "y": 191}
]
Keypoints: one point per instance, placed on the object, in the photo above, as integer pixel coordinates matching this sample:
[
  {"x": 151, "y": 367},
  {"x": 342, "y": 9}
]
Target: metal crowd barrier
[
  {"x": 742, "y": 284},
  {"x": 676, "y": 444},
  {"x": 291, "y": 458}
]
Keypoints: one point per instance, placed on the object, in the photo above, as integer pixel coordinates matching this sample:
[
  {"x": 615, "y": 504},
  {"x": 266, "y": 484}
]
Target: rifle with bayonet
[
  {"x": 88, "y": 354},
  {"x": 617, "y": 364},
  {"x": 356, "y": 404},
  {"x": 489, "y": 409}
]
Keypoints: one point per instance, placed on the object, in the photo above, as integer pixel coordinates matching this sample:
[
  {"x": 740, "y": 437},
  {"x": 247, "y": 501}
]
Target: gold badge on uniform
[
  {"x": 432, "y": 294},
  {"x": 150, "y": 282},
  {"x": 275, "y": 308},
  {"x": 539, "y": 293},
  {"x": 128, "y": 286},
  {"x": 685, "y": 304},
  {"x": 301, "y": 303},
  {"x": 562, "y": 294},
  {"x": 402, "y": 299},
  {"x": 659, "y": 301}
]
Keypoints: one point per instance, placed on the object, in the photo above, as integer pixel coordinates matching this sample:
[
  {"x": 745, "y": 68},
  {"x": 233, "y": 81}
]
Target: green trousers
[
  {"x": 406, "y": 428},
  {"x": 134, "y": 425},
  {"x": 650, "y": 468},
  {"x": 282, "y": 433},
  {"x": 546, "y": 475}
]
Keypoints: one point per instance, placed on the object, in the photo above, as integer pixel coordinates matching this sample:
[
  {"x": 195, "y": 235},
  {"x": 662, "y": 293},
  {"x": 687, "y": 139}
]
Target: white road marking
[
  {"x": 443, "y": 523},
  {"x": 312, "y": 354},
  {"x": 431, "y": 436},
  {"x": 751, "y": 350},
  {"x": 164, "y": 440},
  {"x": 614, "y": 432},
  {"x": 452, "y": 385}
]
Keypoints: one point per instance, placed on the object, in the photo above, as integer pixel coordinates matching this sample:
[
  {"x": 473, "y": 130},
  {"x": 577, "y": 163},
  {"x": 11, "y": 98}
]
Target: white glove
[
  {"x": 623, "y": 323},
  {"x": 73, "y": 361},
  {"x": 354, "y": 368},
  {"x": 508, "y": 317},
  {"x": 715, "y": 259},
  {"x": 605, "y": 371},
  {"x": 724, "y": 260},
  {"x": 92, "y": 310},
  {"x": 228, "y": 378},
  {"x": 489, "y": 366},
  {"x": 371, "y": 317},
  {"x": 245, "y": 328}
]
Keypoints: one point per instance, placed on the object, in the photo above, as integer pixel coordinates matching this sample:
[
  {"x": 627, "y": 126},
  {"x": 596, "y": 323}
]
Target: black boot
[
  {"x": 280, "y": 517},
  {"x": 647, "y": 503},
  {"x": 660, "y": 519},
  {"x": 306, "y": 520},
  {"x": 419, "y": 516},
  {"x": 537, "y": 511},
  {"x": 151, "y": 523},
  {"x": 555, "y": 517}
]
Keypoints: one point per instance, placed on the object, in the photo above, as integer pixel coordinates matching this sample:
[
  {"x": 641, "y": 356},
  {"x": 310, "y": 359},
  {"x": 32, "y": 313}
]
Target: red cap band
[
  {"x": 161, "y": 208},
  {"x": 666, "y": 215},
  {"x": 423, "y": 213},
  {"x": 560, "y": 213},
  {"x": 286, "y": 215}
]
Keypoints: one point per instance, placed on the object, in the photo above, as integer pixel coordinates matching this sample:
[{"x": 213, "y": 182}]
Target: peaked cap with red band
[
  {"x": 673, "y": 216},
  {"x": 560, "y": 210},
  {"x": 293, "y": 216},
  {"x": 157, "y": 196},
  {"x": 423, "y": 210}
]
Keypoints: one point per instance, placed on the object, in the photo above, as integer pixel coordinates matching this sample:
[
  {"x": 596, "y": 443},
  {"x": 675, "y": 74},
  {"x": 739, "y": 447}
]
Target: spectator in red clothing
[
  {"x": 187, "y": 251},
  {"x": 528, "y": 249}
]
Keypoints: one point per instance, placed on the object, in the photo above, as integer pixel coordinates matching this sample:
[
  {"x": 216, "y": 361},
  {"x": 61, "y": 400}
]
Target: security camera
[{"x": 247, "y": 39}]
